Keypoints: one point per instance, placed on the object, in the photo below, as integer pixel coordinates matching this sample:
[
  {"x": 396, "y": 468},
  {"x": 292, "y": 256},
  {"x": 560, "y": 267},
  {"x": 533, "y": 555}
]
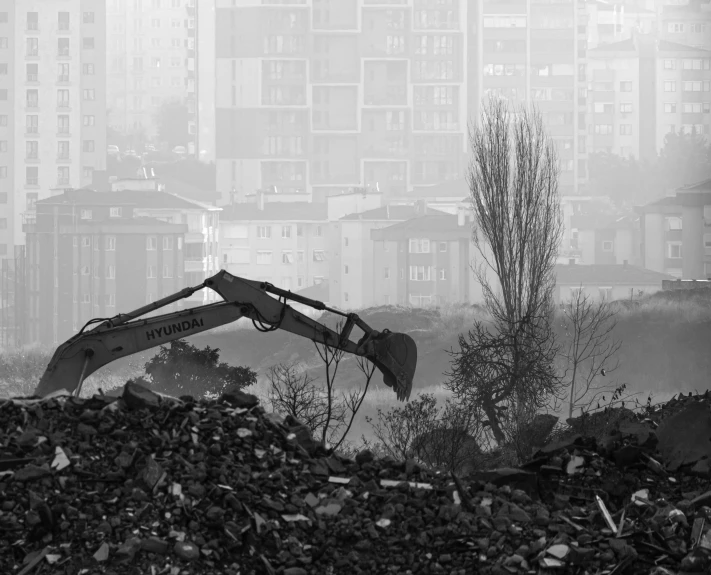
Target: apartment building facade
[
  {"x": 665, "y": 83},
  {"x": 535, "y": 51},
  {"x": 283, "y": 243},
  {"x": 90, "y": 254},
  {"x": 352, "y": 268},
  {"x": 424, "y": 261},
  {"x": 323, "y": 97},
  {"x": 202, "y": 239},
  {"x": 150, "y": 60},
  {"x": 676, "y": 233},
  {"x": 688, "y": 24},
  {"x": 52, "y": 104}
]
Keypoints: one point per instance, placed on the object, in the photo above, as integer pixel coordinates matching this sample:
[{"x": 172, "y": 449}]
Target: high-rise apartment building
[
  {"x": 329, "y": 95},
  {"x": 642, "y": 89},
  {"x": 688, "y": 23},
  {"x": 147, "y": 59},
  {"x": 52, "y": 104},
  {"x": 534, "y": 51}
]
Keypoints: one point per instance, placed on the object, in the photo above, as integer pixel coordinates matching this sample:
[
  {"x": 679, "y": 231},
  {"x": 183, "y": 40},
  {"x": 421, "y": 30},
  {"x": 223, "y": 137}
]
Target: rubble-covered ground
[{"x": 144, "y": 484}]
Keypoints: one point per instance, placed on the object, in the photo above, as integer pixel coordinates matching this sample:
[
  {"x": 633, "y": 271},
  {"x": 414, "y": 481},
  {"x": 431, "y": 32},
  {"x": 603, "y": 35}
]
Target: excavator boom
[{"x": 394, "y": 354}]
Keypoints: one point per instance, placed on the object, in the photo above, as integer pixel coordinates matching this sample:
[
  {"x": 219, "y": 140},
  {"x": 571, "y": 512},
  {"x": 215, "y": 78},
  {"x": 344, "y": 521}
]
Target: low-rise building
[
  {"x": 352, "y": 272},
  {"x": 676, "y": 233},
  {"x": 606, "y": 281},
  {"x": 92, "y": 254},
  {"x": 424, "y": 260},
  {"x": 283, "y": 243}
]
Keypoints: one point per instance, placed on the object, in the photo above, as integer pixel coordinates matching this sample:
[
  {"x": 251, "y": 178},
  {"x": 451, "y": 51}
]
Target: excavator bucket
[{"x": 396, "y": 358}]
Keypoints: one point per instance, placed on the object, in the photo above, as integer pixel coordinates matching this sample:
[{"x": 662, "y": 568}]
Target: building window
[
  {"x": 87, "y": 69},
  {"x": 86, "y": 214},
  {"x": 674, "y": 250},
  {"x": 673, "y": 223},
  {"x": 345, "y": 269},
  {"x": 420, "y": 273},
  {"x": 442, "y": 273},
  {"x": 264, "y": 257},
  {"x": 300, "y": 281},
  {"x": 151, "y": 243},
  {"x": 89, "y": 94},
  {"x": 151, "y": 272},
  {"x": 264, "y": 232},
  {"x": 88, "y": 146},
  {"x": 319, "y": 231},
  {"x": 299, "y": 230},
  {"x": 386, "y": 273},
  {"x": 287, "y": 258},
  {"x": 419, "y": 246},
  {"x": 625, "y": 129},
  {"x": 625, "y": 86},
  {"x": 110, "y": 272},
  {"x": 286, "y": 231},
  {"x": 167, "y": 243},
  {"x": 167, "y": 272},
  {"x": 85, "y": 271},
  {"x": 402, "y": 273},
  {"x": 85, "y": 242},
  {"x": 110, "y": 243},
  {"x": 115, "y": 212},
  {"x": 669, "y": 64},
  {"x": 345, "y": 296},
  {"x": 32, "y": 176},
  {"x": 605, "y": 293},
  {"x": 319, "y": 256},
  {"x": 88, "y": 18},
  {"x": 607, "y": 246},
  {"x": 670, "y": 86}
]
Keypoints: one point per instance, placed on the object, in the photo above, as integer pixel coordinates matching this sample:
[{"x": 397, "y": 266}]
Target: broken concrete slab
[
  {"x": 685, "y": 437},
  {"x": 137, "y": 396}
]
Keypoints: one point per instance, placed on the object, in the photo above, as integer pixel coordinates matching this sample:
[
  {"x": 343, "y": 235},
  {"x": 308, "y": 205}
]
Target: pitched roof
[
  {"x": 703, "y": 185},
  {"x": 621, "y": 46},
  {"x": 439, "y": 224},
  {"x": 449, "y": 189},
  {"x": 137, "y": 198},
  {"x": 276, "y": 211},
  {"x": 607, "y": 274},
  {"x": 396, "y": 213},
  {"x": 667, "y": 46}
]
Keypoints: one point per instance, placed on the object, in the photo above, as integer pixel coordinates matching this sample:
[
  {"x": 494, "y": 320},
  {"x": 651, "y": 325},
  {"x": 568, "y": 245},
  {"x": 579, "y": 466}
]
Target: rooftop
[
  {"x": 666, "y": 46},
  {"x": 398, "y": 213},
  {"x": 139, "y": 199},
  {"x": 702, "y": 186},
  {"x": 621, "y": 46},
  {"x": 276, "y": 211},
  {"x": 424, "y": 224},
  {"x": 608, "y": 274}
]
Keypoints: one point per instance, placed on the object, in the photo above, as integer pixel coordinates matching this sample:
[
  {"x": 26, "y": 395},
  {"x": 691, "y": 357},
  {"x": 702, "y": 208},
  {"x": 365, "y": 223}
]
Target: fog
[{"x": 322, "y": 147}]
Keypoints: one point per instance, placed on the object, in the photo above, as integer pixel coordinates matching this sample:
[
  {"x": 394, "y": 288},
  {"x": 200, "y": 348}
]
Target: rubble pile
[{"x": 146, "y": 484}]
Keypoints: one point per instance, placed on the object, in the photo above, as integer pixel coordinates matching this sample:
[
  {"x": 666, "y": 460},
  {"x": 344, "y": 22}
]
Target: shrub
[{"x": 183, "y": 369}]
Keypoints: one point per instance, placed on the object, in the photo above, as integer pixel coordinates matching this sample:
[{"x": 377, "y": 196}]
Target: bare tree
[
  {"x": 506, "y": 370},
  {"x": 328, "y": 413},
  {"x": 294, "y": 392},
  {"x": 441, "y": 438},
  {"x": 590, "y": 351}
]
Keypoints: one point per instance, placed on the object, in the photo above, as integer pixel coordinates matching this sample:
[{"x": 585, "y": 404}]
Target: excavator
[{"x": 394, "y": 354}]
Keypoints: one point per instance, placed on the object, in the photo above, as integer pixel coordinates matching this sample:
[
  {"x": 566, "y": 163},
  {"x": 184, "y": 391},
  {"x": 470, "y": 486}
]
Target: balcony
[
  {"x": 32, "y": 78},
  {"x": 32, "y": 27},
  {"x": 63, "y": 130},
  {"x": 195, "y": 264},
  {"x": 32, "y": 53},
  {"x": 31, "y": 131},
  {"x": 63, "y": 78},
  {"x": 62, "y": 181}
]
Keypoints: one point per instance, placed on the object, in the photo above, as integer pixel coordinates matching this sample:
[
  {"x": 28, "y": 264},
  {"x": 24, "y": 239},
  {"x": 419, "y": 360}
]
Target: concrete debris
[{"x": 136, "y": 484}]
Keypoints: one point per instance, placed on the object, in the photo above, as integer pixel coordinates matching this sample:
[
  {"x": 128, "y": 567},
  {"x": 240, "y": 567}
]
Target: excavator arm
[{"x": 394, "y": 354}]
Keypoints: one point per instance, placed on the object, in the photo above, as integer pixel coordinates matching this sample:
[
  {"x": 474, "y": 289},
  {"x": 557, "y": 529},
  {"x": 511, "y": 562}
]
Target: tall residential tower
[{"x": 52, "y": 104}]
